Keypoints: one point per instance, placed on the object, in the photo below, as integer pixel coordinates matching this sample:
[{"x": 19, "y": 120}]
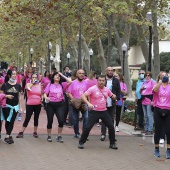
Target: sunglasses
[
  {"x": 147, "y": 75},
  {"x": 34, "y": 77},
  {"x": 141, "y": 73}
]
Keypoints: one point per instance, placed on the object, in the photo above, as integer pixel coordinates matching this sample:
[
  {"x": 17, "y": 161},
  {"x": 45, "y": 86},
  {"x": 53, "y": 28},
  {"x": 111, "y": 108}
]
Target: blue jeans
[
  {"x": 148, "y": 117},
  {"x": 76, "y": 120}
]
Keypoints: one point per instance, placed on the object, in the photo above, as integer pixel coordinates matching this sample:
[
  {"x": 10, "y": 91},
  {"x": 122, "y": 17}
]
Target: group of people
[
  {"x": 102, "y": 98},
  {"x": 153, "y": 107}
]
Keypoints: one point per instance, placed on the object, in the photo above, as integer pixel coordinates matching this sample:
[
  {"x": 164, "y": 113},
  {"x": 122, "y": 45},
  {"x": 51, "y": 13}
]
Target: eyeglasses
[
  {"x": 147, "y": 75},
  {"x": 141, "y": 73}
]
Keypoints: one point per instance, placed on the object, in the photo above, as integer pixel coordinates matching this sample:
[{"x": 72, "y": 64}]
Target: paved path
[{"x": 30, "y": 153}]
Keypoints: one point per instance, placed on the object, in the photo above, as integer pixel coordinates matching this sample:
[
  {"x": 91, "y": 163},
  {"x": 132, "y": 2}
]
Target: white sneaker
[
  {"x": 117, "y": 129},
  {"x": 161, "y": 141}
]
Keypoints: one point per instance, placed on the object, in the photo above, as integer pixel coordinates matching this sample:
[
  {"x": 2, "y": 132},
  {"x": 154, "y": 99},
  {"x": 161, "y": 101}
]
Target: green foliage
[
  {"x": 134, "y": 84},
  {"x": 129, "y": 114},
  {"x": 165, "y": 62}
]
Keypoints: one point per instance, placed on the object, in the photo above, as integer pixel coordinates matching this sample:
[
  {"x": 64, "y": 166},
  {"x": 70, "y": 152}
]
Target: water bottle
[
  {"x": 19, "y": 117},
  {"x": 89, "y": 109}
]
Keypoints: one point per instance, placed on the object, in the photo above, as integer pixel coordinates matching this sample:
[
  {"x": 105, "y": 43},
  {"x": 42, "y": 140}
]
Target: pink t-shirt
[
  {"x": 28, "y": 78},
  {"x": 147, "y": 91},
  {"x": 163, "y": 97},
  {"x": 77, "y": 88},
  {"x": 98, "y": 99},
  {"x": 54, "y": 92},
  {"x": 91, "y": 82},
  {"x": 2, "y": 79},
  {"x": 34, "y": 95},
  {"x": 44, "y": 82}
]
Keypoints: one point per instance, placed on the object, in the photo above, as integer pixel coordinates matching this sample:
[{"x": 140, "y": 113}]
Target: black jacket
[{"x": 115, "y": 88}]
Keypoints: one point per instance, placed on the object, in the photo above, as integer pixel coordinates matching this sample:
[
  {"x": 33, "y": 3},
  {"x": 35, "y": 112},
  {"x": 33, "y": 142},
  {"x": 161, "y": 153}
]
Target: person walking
[
  {"x": 123, "y": 93},
  {"x": 33, "y": 104},
  {"x": 113, "y": 84},
  {"x": 12, "y": 92},
  {"x": 75, "y": 91},
  {"x": 97, "y": 95},
  {"x": 138, "y": 100},
  {"x": 54, "y": 97},
  {"x": 162, "y": 113}
]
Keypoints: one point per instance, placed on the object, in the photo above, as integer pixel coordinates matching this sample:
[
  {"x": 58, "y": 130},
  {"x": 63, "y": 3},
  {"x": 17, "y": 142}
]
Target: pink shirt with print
[
  {"x": 98, "y": 99},
  {"x": 163, "y": 97},
  {"x": 147, "y": 91},
  {"x": 54, "y": 92},
  {"x": 77, "y": 88},
  {"x": 34, "y": 95},
  {"x": 45, "y": 81}
]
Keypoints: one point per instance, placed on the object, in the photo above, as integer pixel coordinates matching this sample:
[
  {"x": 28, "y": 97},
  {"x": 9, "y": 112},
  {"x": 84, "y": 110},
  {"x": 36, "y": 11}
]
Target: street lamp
[
  {"x": 31, "y": 52},
  {"x": 149, "y": 18},
  {"x": 51, "y": 60},
  {"x": 49, "y": 54},
  {"x": 68, "y": 57},
  {"x": 124, "y": 49},
  {"x": 91, "y": 54}
]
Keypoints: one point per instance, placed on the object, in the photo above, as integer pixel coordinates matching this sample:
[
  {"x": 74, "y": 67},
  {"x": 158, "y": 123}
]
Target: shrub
[{"x": 134, "y": 84}]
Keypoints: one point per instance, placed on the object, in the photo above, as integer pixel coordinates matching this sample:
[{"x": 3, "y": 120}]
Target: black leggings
[
  {"x": 57, "y": 109},
  {"x": 29, "y": 111},
  {"x": 162, "y": 120},
  {"x": 118, "y": 112},
  {"x": 9, "y": 125}
]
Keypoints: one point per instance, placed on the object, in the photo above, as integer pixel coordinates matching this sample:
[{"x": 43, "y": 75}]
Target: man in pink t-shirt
[
  {"x": 98, "y": 96},
  {"x": 76, "y": 90}
]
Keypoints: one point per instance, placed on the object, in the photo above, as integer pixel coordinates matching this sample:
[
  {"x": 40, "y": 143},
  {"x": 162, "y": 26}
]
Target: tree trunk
[
  {"x": 100, "y": 56},
  {"x": 156, "y": 65},
  {"x": 143, "y": 42},
  {"x": 110, "y": 44},
  {"x": 119, "y": 42}
]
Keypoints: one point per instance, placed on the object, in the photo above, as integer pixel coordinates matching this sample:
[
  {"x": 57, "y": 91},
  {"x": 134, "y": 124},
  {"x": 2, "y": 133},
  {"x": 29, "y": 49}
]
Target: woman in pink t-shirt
[
  {"x": 162, "y": 113},
  {"x": 147, "y": 97},
  {"x": 33, "y": 104},
  {"x": 54, "y": 97},
  {"x": 45, "y": 80},
  {"x": 91, "y": 80},
  {"x": 123, "y": 93}
]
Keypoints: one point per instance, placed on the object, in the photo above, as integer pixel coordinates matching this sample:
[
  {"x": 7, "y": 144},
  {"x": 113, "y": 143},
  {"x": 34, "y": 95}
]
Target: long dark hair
[
  {"x": 52, "y": 78},
  {"x": 46, "y": 73},
  {"x": 8, "y": 75}
]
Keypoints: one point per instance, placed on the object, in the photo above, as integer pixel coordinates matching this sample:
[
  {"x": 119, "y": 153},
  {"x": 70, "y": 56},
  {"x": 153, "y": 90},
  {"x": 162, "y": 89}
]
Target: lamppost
[
  {"x": 51, "y": 60},
  {"x": 68, "y": 57},
  {"x": 91, "y": 54},
  {"x": 49, "y": 54},
  {"x": 149, "y": 18},
  {"x": 31, "y": 52},
  {"x": 78, "y": 38},
  {"x": 124, "y": 49}
]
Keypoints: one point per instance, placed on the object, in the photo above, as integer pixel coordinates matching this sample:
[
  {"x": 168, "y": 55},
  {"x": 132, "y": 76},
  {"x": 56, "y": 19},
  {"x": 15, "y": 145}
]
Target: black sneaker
[
  {"x": 49, "y": 139},
  {"x": 59, "y": 139},
  {"x": 113, "y": 146},
  {"x": 11, "y": 138},
  {"x": 103, "y": 137},
  {"x": 7, "y": 140},
  {"x": 149, "y": 133},
  {"x": 81, "y": 145}
]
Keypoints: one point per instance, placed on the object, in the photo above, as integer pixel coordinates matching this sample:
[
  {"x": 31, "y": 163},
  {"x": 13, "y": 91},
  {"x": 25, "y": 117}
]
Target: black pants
[
  {"x": 29, "y": 111},
  {"x": 162, "y": 120},
  {"x": 57, "y": 109},
  {"x": 92, "y": 118},
  {"x": 140, "y": 114},
  {"x": 65, "y": 107},
  {"x": 9, "y": 125},
  {"x": 118, "y": 112},
  {"x": 111, "y": 110}
]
